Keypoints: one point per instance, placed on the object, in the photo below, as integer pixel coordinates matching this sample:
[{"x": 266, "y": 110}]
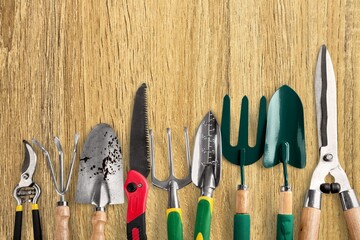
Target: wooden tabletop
[{"x": 67, "y": 65}]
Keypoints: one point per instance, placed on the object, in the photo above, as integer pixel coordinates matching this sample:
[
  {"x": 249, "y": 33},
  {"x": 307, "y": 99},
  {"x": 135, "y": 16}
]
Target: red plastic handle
[{"x": 136, "y": 189}]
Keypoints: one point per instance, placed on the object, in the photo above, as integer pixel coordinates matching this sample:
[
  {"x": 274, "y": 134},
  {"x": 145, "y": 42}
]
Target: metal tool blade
[
  {"x": 139, "y": 138},
  {"x": 29, "y": 165},
  {"x": 325, "y": 95},
  {"x": 100, "y": 180},
  {"x": 207, "y": 153}
]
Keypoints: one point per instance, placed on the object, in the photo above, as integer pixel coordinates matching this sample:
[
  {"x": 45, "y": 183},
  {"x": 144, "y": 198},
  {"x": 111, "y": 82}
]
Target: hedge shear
[
  {"x": 27, "y": 190},
  {"x": 325, "y": 95}
]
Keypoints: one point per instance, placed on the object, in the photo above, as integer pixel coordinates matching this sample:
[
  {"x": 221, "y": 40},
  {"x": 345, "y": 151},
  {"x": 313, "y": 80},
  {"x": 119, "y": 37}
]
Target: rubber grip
[
  {"x": 309, "y": 223},
  {"x": 203, "y": 218},
  {"x": 241, "y": 227},
  {"x": 62, "y": 215},
  {"x": 285, "y": 227},
  {"x": 174, "y": 224},
  {"x": 36, "y": 223},
  {"x": 18, "y": 223},
  {"x": 136, "y": 229}
]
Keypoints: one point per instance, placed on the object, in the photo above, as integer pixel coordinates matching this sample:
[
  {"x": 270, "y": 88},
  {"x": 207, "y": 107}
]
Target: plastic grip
[
  {"x": 136, "y": 229},
  {"x": 203, "y": 218},
  {"x": 174, "y": 224},
  {"x": 18, "y": 224},
  {"x": 36, "y": 223},
  {"x": 285, "y": 227},
  {"x": 241, "y": 227}
]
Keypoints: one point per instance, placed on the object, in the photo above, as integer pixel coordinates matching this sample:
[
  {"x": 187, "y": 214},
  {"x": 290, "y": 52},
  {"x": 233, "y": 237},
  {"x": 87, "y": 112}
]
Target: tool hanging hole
[{"x": 131, "y": 187}]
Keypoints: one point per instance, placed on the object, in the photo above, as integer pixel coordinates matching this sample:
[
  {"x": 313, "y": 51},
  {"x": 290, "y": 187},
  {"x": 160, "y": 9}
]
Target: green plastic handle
[
  {"x": 203, "y": 218},
  {"x": 241, "y": 227},
  {"x": 174, "y": 224},
  {"x": 285, "y": 227}
]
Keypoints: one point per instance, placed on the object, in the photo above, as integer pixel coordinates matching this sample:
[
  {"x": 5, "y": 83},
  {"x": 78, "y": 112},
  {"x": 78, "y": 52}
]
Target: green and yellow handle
[
  {"x": 174, "y": 224},
  {"x": 203, "y": 218}
]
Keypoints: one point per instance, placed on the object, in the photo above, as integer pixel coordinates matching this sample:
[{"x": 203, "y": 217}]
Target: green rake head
[{"x": 242, "y": 154}]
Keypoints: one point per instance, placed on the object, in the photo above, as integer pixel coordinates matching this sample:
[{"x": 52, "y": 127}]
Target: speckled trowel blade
[{"x": 100, "y": 180}]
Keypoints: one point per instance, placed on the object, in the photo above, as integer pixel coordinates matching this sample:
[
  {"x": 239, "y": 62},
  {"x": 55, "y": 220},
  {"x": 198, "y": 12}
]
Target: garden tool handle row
[
  {"x": 310, "y": 223},
  {"x": 36, "y": 222},
  {"x": 310, "y": 219}
]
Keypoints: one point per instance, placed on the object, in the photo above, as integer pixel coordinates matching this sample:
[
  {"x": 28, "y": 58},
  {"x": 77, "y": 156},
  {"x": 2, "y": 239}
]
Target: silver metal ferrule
[
  {"x": 173, "y": 201},
  {"x": 62, "y": 203},
  {"x": 242, "y": 187},
  {"x": 313, "y": 199},
  {"x": 100, "y": 209},
  {"x": 285, "y": 189},
  {"x": 208, "y": 183},
  {"x": 348, "y": 200}
]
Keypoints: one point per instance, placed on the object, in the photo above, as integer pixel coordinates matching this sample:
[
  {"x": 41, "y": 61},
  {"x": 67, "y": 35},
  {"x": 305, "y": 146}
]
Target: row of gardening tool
[{"x": 280, "y": 137}]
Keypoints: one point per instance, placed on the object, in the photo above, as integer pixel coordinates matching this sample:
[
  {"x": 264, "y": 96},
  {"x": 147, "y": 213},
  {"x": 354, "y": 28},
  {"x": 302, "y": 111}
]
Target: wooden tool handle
[
  {"x": 62, "y": 215},
  {"x": 309, "y": 223},
  {"x": 352, "y": 217},
  {"x": 98, "y": 222},
  {"x": 242, "y": 201},
  {"x": 285, "y": 202}
]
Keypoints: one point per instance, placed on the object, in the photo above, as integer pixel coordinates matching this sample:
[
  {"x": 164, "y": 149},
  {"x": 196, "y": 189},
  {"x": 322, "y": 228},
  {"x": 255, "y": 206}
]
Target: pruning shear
[
  {"x": 325, "y": 95},
  {"x": 27, "y": 190}
]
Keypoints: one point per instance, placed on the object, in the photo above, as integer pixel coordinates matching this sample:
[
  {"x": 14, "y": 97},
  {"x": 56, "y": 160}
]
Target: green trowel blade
[{"x": 285, "y": 129}]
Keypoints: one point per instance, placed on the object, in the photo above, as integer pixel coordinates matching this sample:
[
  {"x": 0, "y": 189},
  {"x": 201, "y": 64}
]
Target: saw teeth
[{"x": 147, "y": 126}]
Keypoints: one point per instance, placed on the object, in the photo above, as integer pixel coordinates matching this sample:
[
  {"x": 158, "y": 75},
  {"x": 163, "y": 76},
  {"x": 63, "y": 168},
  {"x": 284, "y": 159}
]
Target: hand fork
[
  {"x": 242, "y": 155},
  {"x": 172, "y": 184}
]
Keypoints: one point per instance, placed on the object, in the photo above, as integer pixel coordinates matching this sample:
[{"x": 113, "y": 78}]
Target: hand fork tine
[
  {"x": 172, "y": 184},
  {"x": 242, "y": 155}
]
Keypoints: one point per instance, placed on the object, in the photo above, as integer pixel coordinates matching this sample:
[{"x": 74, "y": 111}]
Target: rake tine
[
  {"x": 61, "y": 168},
  {"x": 170, "y": 156},
  {"x": 76, "y": 141},
  {"x": 187, "y": 147},
  {"x": 243, "y": 137}
]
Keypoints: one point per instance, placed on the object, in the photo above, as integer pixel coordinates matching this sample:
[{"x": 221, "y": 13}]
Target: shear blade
[{"x": 325, "y": 95}]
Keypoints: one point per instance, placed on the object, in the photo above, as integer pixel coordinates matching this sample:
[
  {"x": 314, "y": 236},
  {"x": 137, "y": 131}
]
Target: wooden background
[{"x": 67, "y": 65}]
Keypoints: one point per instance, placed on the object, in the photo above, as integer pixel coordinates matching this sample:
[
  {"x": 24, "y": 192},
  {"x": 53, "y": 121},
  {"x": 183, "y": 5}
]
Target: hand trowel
[
  {"x": 285, "y": 143},
  {"x": 100, "y": 180}
]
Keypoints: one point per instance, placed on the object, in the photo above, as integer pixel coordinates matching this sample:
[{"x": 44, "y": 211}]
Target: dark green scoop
[{"x": 285, "y": 137}]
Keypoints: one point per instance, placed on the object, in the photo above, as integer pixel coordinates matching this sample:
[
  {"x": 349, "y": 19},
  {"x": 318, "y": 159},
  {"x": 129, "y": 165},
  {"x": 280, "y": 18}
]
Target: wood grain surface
[{"x": 67, "y": 65}]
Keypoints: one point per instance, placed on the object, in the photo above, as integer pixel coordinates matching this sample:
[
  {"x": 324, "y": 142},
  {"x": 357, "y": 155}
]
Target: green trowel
[{"x": 285, "y": 143}]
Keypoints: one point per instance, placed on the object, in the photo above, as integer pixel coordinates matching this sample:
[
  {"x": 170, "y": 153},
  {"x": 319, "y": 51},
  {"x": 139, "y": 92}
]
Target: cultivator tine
[
  {"x": 242, "y": 154},
  {"x": 171, "y": 178},
  {"x": 232, "y": 153}
]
